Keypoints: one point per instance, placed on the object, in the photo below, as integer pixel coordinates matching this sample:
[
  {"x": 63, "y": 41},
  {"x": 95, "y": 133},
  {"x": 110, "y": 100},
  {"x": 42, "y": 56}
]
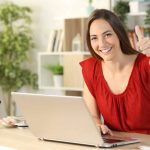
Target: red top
[{"x": 128, "y": 111}]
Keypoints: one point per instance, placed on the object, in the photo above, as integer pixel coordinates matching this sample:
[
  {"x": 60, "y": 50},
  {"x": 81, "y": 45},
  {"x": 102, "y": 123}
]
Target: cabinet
[{"x": 72, "y": 78}]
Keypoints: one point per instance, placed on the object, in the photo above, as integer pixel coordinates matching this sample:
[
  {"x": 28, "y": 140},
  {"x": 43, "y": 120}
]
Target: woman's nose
[{"x": 101, "y": 42}]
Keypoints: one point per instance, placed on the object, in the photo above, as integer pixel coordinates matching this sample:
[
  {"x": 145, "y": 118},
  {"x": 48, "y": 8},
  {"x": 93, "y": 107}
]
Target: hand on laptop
[
  {"x": 8, "y": 122},
  {"x": 104, "y": 129}
]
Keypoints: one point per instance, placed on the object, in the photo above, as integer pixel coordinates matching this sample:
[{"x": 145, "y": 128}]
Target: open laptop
[{"x": 63, "y": 119}]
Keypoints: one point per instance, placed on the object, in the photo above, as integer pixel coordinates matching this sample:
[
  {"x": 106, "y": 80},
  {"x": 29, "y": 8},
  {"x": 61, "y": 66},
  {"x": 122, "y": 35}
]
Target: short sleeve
[
  {"x": 144, "y": 70},
  {"x": 88, "y": 70}
]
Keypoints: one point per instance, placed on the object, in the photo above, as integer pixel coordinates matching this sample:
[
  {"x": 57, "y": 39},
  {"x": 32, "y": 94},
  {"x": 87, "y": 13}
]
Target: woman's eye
[
  {"x": 93, "y": 38},
  {"x": 108, "y": 35}
]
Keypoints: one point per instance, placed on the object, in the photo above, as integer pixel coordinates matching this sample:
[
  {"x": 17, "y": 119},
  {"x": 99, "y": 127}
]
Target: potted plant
[
  {"x": 121, "y": 9},
  {"x": 57, "y": 71},
  {"x": 15, "y": 43},
  {"x": 90, "y": 2}
]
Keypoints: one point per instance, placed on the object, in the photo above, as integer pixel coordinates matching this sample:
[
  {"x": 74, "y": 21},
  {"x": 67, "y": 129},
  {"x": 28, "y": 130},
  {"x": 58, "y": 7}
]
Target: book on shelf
[
  {"x": 55, "y": 43},
  {"x": 133, "y": 38},
  {"x": 51, "y": 41},
  {"x": 61, "y": 41}
]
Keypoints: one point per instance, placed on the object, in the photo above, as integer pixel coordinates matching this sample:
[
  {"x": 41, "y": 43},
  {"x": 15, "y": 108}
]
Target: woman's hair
[{"x": 117, "y": 26}]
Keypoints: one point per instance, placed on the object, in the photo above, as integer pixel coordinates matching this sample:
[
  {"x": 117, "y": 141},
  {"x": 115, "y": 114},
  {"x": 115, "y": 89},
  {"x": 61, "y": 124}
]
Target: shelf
[
  {"x": 61, "y": 88},
  {"x": 65, "y": 53},
  {"x": 137, "y": 14}
]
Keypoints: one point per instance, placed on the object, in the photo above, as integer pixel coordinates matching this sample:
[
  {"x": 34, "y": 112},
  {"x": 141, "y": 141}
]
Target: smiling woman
[
  {"x": 115, "y": 27},
  {"x": 114, "y": 73},
  {"x": 104, "y": 40}
]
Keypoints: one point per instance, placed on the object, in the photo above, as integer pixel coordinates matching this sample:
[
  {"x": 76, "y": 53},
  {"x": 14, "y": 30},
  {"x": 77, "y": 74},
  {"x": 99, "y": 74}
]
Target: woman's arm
[{"x": 92, "y": 106}]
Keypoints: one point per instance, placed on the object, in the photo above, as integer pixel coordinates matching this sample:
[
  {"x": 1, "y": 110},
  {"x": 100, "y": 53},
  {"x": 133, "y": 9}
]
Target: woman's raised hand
[{"x": 143, "y": 42}]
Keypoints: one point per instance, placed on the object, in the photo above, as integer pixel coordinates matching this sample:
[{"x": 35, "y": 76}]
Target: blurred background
[{"x": 58, "y": 29}]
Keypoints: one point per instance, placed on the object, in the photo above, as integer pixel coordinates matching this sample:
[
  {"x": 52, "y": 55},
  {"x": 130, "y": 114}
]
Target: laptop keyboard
[{"x": 112, "y": 140}]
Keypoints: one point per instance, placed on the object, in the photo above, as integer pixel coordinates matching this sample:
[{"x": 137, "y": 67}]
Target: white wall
[{"x": 49, "y": 14}]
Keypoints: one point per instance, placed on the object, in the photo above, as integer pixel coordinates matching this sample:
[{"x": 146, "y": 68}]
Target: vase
[
  {"x": 89, "y": 9},
  {"x": 58, "y": 80}
]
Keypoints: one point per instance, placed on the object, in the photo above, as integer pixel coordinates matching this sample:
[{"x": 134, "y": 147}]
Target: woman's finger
[
  {"x": 106, "y": 130},
  {"x": 139, "y": 33}
]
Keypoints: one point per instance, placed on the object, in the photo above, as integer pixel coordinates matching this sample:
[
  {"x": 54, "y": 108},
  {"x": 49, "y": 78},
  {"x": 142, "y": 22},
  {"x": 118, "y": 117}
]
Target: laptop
[{"x": 63, "y": 119}]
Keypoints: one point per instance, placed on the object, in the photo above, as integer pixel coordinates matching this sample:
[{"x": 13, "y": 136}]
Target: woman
[{"x": 117, "y": 77}]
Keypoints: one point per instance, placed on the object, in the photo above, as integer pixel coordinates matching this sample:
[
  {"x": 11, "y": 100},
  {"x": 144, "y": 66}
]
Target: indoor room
[{"x": 72, "y": 71}]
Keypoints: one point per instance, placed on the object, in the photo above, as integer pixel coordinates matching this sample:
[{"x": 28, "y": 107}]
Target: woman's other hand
[
  {"x": 143, "y": 43},
  {"x": 8, "y": 122}
]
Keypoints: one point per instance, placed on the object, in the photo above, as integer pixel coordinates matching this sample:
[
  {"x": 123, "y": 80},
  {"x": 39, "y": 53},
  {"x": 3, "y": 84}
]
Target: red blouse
[{"x": 128, "y": 111}]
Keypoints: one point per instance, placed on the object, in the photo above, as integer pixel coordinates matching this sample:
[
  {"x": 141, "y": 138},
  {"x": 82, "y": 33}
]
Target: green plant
[
  {"x": 90, "y": 1},
  {"x": 121, "y": 9},
  {"x": 147, "y": 21},
  {"x": 55, "y": 69},
  {"x": 15, "y": 42}
]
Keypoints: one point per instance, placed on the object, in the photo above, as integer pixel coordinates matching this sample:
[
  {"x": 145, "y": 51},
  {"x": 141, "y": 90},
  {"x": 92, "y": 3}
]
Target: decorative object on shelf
[
  {"x": 15, "y": 43},
  {"x": 57, "y": 71},
  {"x": 89, "y": 8},
  {"x": 137, "y": 6},
  {"x": 121, "y": 9},
  {"x": 147, "y": 21},
  {"x": 76, "y": 43}
]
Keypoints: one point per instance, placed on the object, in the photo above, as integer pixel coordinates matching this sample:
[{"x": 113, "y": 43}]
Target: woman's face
[{"x": 104, "y": 40}]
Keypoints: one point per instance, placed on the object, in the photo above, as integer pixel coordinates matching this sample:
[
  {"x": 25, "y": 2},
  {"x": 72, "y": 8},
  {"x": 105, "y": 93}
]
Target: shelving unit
[{"x": 72, "y": 77}]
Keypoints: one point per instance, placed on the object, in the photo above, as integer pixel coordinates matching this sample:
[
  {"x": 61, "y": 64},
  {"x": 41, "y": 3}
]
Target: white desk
[{"x": 22, "y": 139}]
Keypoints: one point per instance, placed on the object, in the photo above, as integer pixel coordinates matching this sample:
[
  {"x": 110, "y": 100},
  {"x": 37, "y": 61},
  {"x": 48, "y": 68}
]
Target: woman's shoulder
[
  {"x": 89, "y": 62},
  {"x": 143, "y": 60}
]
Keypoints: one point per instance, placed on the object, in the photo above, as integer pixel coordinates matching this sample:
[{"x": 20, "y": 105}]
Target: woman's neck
[{"x": 119, "y": 63}]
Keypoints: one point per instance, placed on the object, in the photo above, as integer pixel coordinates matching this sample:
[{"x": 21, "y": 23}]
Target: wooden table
[{"x": 22, "y": 139}]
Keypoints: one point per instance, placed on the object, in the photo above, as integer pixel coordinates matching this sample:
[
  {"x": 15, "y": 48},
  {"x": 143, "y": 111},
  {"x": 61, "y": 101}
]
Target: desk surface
[{"x": 22, "y": 139}]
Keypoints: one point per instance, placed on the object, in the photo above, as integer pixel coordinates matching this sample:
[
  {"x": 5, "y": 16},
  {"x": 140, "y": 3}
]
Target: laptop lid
[{"x": 61, "y": 118}]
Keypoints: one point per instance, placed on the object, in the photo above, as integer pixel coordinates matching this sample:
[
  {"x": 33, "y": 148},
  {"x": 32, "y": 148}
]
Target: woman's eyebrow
[
  {"x": 92, "y": 35},
  {"x": 106, "y": 32}
]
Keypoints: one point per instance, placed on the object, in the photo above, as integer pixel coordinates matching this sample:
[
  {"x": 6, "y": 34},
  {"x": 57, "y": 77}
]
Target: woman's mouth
[{"x": 106, "y": 50}]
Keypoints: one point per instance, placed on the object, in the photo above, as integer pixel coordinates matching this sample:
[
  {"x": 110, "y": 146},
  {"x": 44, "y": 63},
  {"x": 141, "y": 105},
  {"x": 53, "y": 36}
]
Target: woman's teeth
[{"x": 106, "y": 50}]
